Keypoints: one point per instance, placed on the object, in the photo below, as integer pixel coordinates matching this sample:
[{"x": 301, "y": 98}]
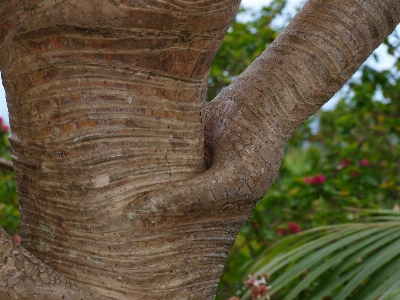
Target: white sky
[
  {"x": 385, "y": 61},
  {"x": 257, "y": 4}
]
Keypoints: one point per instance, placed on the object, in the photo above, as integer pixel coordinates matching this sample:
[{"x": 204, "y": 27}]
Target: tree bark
[
  {"x": 23, "y": 276},
  {"x": 107, "y": 113}
]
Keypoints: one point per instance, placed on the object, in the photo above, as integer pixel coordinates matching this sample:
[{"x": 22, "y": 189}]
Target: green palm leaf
[{"x": 350, "y": 261}]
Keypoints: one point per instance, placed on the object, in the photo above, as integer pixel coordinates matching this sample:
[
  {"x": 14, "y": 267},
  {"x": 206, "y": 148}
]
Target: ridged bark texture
[
  {"x": 23, "y": 276},
  {"x": 106, "y": 102}
]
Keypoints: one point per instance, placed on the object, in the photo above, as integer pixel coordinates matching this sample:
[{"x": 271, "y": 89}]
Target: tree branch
[
  {"x": 248, "y": 125},
  {"x": 324, "y": 44}
]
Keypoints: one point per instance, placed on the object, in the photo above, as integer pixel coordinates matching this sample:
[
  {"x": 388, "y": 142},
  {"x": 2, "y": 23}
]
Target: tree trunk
[{"x": 107, "y": 113}]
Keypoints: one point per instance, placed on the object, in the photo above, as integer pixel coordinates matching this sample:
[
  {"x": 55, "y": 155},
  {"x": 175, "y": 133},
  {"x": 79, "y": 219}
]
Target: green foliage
[
  {"x": 347, "y": 261},
  {"x": 9, "y": 212},
  {"x": 243, "y": 43},
  {"x": 353, "y": 151}
]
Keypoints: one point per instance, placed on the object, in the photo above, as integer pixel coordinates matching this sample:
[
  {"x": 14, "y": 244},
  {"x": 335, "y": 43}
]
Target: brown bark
[
  {"x": 23, "y": 276},
  {"x": 106, "y": 103}
]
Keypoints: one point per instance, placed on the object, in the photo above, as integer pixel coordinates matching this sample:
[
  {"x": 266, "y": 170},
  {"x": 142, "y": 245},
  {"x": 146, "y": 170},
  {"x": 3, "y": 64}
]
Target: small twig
[{"x": 6, "y": 165}]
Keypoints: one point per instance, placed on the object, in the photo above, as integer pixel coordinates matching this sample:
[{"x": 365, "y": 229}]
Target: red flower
[
  {"x": 343, "y": 164},
  {"x": 318, "y": 179},
  {"x": 5, "y": 128},
  {"x": 364, "y": 162},
  {"x": 281, "y": 231},
  {"x": 354, "y": 173},
  {"x": 308, "y": 180},
  {"x": 294, "y": 227}
]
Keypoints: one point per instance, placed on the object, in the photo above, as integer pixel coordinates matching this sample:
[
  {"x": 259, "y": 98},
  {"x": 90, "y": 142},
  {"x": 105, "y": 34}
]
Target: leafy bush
[{"x": 9, "y": 212}]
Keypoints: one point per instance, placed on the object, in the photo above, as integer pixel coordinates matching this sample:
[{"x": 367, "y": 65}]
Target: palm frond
[{"x": 356, "y": 261}]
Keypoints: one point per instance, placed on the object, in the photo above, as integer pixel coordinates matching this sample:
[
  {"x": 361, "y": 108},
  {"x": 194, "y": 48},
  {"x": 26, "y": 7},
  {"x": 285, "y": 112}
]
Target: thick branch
[
  {"x": 312, "y": 58},
  {"x": 250, "y": 122}
]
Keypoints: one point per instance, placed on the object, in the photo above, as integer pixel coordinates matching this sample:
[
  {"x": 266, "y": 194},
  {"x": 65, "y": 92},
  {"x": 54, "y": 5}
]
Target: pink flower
[
  {"x": 17, "y": 238},
  {"x": 308, "y": 180},
  {"x": 364, "y": 162},
  {"x": 259, "y": 291},
  {"x": 250, "y": 281},
  {"x": 343, "y": 164},
  {"x": 266, "y": 276},
  {"x": 259, "y": 288},
  {"x": 318, "y": 179},
  {"x": 294, "y": 227},
  {"x": 5, "y": 128},
  {"x": 281, "y": 231}
]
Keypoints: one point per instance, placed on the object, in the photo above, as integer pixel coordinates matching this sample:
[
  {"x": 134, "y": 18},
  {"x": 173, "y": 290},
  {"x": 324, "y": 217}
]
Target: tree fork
[{"x": 107, "y": 114}]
